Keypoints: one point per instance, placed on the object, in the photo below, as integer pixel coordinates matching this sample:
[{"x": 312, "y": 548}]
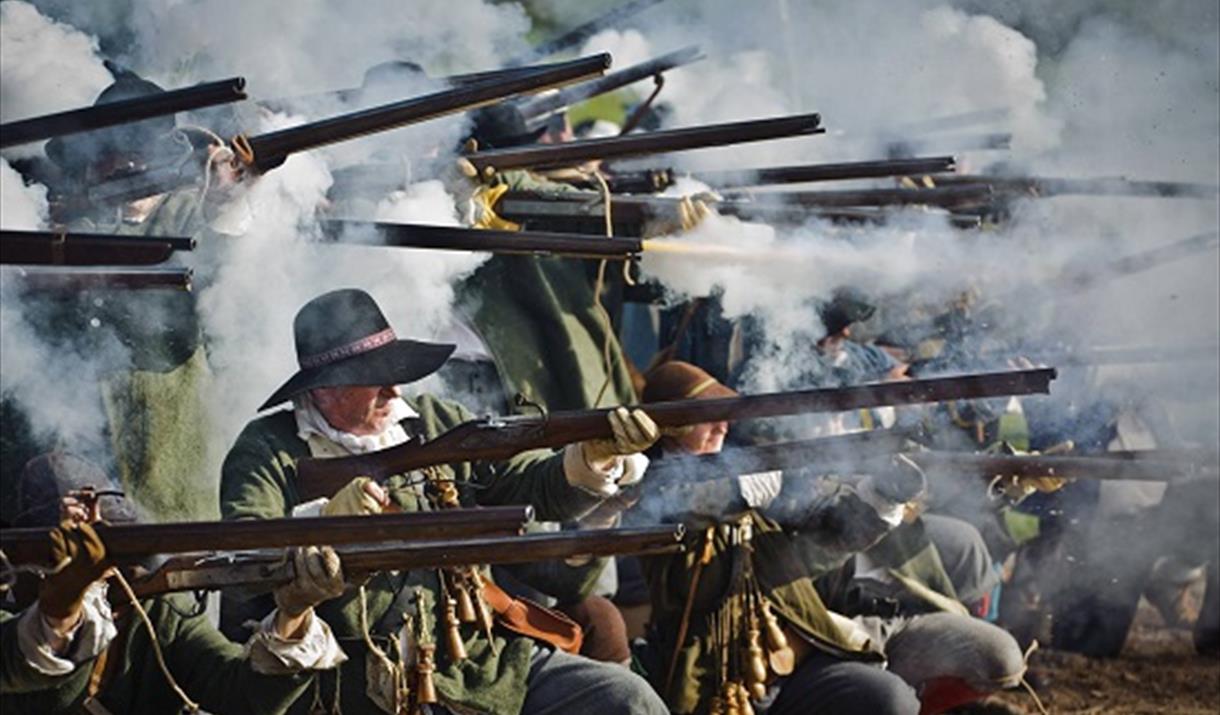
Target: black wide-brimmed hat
[
  {"x": 847, "y": 306},
  {"x": 143, "y": 139},
  {"x": 500, "y": 126},
  {"x": 342, "y": 338}
]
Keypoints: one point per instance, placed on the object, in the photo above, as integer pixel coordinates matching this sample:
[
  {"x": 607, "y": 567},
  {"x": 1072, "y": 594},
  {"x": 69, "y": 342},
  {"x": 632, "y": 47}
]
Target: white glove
[
  {"x": 760, "y": 489},
  {"x": 634, "y": 431},
  {"x": 358, "y": 497},
  {"x": 318, "y": 577}
]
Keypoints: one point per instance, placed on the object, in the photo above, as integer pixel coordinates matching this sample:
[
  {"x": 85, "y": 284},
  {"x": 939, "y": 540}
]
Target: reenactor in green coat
[
  {"x": 346, "y": 400},
  {"x": 84, "y": 646}
]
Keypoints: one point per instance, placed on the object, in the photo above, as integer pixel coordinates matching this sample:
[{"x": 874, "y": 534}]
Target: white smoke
[
  {"x": 45, "y": 66},
  {"x": 22, "y": 206}
]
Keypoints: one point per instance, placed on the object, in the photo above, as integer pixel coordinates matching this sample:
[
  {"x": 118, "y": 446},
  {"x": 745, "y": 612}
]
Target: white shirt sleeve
[
  {"x": 317, "y": 649},
  {"x": 56, "y": 654}
]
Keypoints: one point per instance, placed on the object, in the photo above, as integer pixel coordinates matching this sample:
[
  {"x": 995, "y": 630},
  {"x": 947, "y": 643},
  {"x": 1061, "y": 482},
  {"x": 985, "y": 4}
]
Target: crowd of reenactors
[{"x": 858, "y": 585}]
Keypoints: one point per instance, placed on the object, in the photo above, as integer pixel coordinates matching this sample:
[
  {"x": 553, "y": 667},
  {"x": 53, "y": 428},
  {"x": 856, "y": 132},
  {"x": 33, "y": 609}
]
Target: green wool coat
[
  {"x": 783, "y": 574},
  {"x": 538, "y": 318},
  {"x": 258, "y": 481},
  {"x": 210, "y": 669}
]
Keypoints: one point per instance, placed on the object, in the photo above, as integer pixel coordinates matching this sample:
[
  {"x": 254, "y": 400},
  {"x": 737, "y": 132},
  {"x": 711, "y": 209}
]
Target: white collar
[{"x": 310, "y": 421}]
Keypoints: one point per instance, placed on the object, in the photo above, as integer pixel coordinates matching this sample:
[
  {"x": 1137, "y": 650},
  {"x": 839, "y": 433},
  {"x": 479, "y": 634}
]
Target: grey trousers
[
  {"x": 826, "y": 684},
  {"x": 964, "y": 554},
  {"x": 563, "y": 683}
]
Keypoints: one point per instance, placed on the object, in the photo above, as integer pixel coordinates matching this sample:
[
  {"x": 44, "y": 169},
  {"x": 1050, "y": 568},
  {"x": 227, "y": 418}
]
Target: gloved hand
[
  {"x": 760, "y": 489},
  {"x": 360, "y": 496},
  {"x": 81, "y": 557},
  {"x": 318, "y": 577},
  {"x": 634, "y": 431}
]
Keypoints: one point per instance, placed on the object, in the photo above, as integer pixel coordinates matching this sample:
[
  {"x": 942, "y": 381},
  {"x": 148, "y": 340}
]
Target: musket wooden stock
[
  {"x": 446, "y": 238},
  {"x": 503, "y": 437},
  {"x": 537, "y": 156},
  {"x": 192, "y": 572},
  {"x": 122, "y": 111},
  {"x": 1100, "y": 466},
  {"x": 132, "y": 542},
  {"x": 47, "y": 248}
]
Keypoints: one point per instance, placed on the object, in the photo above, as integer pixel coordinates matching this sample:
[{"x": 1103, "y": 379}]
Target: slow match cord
[{"x": 189, "y": 704}]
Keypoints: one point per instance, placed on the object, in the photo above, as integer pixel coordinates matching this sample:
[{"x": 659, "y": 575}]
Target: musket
[
  {"x": 946, "y": 197},
  {"x": 268, "y": 568},
  {"x": 583, "y": 212},
  {"x": 582, "y": 32},
  {"x": 822, "y": 455},
  {"x": 76, "y": 280},
  {"x": 1139, "y": 262},
  {"x": 541, "y": 106},
  {"x": 122, "y": 112},
  {"x": 542, "y": 156},
  {"x": 809, "y": 172},
  {"x": 446, "y": 238},
  {"x": 127, "y": 543},
  {"x": 263, "y": 152},
  {"x": 1036, "y": 186},
  {"x": 49, "y": 248},
  {"x": 504, "y": 437},
  {"x": 1101, "y": 466}
]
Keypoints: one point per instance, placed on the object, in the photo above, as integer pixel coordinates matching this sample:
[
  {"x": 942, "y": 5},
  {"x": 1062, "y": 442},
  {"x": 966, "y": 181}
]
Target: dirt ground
[{"x": 1158, "y": 673}]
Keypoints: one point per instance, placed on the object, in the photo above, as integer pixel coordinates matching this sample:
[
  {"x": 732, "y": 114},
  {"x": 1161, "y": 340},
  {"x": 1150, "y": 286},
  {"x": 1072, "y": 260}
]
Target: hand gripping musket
[
  {"x": 1036, "y": 186},
  {"x": 448, "y": 238},
  {"x": 547, "y": 104},
  {"x": 269, "y": 568},
  {"x": 128, "y": 543},
  {"x": 39, "y": 279},
  {"x": 49, "y": 248},
  {"x": 121, "y": 112},
  {"x": 1149, "y": 465},
  {"x": 264, "y": 152},
  {"x": 504, "y": 437},
  {"x": 544, "y": 156}
]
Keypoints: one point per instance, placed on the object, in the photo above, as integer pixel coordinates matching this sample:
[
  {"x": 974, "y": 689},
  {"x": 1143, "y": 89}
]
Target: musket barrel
[
  {"x": 571, "y": 245},
  {"x": 70, "y": 280},
  {"x": 1108, "y": 186},
  {"x": 1070, "y": 466},
  {"x": 122, "y": 112},
  {"x": 567, "y": 97},
  {"x": 572, "y": 153},
  {"x": 269, "y": 150},
  {"x": 809, "y": 173},
  {"x": 949, "y": 196},
  {"x": 515, "y": 550},
  {"x": 49, "y": 248},
  {"x": 503, "y": 437},
  {"x": 132, "y": 542}
]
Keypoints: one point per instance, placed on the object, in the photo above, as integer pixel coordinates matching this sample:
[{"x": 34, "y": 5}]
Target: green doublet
[
  {"x": 209, "y": 668},
  {"x": 259, "y": 481}
]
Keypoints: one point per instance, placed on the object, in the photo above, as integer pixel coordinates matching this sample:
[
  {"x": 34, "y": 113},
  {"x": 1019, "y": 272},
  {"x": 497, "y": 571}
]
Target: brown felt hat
[{"x": 677, "y": 380}]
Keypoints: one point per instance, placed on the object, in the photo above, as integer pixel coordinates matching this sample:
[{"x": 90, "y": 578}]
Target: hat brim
[{"x": 397, "y": 363}]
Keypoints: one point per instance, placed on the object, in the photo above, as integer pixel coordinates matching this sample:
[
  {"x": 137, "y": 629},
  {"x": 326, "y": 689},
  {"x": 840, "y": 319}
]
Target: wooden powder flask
[
  {"x": 453, "y": 635},
  {"x": 780, "y": 655},
  {"x": 425, "y": 688},
  {"x": 465, "y": 603}
]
